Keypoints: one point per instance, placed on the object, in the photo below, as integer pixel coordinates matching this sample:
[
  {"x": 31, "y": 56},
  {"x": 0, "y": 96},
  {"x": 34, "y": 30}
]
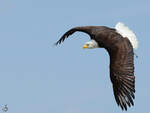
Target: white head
[{"x": 91, "y": 45}]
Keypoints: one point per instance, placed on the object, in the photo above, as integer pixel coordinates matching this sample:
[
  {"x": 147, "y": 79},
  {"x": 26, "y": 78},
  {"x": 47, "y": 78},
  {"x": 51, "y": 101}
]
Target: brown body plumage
[{"x": 121, "y": 60}]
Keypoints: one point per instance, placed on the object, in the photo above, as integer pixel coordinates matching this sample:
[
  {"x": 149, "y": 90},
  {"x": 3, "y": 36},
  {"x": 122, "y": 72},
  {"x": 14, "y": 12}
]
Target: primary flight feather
[{"x": 119, "y": 43}]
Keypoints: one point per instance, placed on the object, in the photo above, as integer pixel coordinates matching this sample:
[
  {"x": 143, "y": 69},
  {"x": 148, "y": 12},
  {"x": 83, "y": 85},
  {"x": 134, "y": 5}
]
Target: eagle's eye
[{"x": 87, "y": 44}]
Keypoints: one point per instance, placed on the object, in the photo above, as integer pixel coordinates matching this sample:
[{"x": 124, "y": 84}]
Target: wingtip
[{"x": 57, "y": 43}]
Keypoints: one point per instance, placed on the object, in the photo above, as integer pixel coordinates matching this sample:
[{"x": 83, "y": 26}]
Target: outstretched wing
[
  {"x": 85, "y": 29},
  {"x": 122, "y": 73},
  {"x": 66, "y": 35}
]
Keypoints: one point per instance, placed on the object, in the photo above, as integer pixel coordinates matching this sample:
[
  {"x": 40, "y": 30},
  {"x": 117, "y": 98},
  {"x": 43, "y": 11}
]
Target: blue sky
[{"x": 37, "y": 77}]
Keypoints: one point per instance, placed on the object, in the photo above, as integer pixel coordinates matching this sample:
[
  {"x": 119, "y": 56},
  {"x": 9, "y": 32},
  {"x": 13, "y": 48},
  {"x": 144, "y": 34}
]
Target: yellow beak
[{"x": 84, "y": 46}]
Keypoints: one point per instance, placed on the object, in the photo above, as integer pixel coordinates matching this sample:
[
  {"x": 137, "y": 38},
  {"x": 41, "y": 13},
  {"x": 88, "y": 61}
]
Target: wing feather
[
  {"x": 85, "y": 29},
  {"x": 122, "y": 74},
  {"x": 66, "y": 35}
]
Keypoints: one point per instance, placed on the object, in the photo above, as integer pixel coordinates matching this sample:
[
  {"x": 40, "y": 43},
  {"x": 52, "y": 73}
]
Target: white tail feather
[{"x": 126, "y": 32}]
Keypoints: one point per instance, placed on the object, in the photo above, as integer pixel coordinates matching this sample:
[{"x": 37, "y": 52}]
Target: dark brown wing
[
  {"x": 66, "y": 35},
  {"x": 122, "y": 73},
  {"x": 85, "y": 29}
]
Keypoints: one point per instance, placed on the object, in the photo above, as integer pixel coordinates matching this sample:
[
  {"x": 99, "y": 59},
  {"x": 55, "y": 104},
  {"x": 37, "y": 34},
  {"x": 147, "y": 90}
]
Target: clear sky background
[{"x": 37, "y": 77}]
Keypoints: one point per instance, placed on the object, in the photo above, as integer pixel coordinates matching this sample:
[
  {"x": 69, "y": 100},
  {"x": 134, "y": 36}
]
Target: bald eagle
[{"x": 119, "y": 43}]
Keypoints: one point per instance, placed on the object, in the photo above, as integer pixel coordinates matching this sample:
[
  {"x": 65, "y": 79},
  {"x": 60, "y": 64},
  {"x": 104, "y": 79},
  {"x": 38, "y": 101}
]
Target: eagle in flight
[{"x": 119, "y": 43}]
